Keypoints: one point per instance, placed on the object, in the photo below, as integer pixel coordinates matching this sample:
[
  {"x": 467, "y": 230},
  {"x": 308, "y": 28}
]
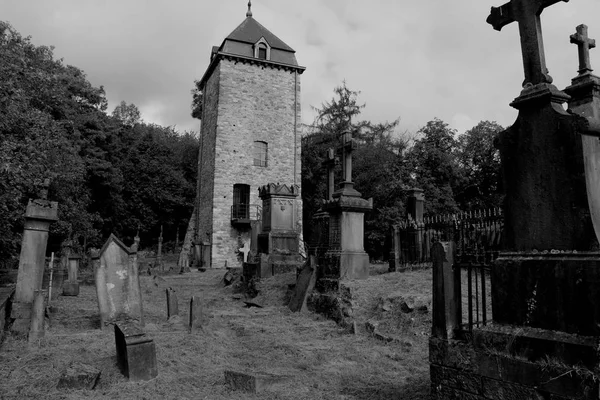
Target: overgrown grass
[{"x": 322, "y": 360}]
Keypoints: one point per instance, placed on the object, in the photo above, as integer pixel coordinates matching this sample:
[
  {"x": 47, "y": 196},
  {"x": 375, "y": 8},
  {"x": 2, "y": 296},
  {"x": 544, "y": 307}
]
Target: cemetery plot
[{"x": 319, "y": 359}]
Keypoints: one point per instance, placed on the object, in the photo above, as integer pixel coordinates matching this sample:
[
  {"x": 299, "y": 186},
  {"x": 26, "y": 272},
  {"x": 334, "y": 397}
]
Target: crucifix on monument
[
  {"x": 329, "y": 163},
  {"x": 527, "y": 14},
  {"x": 347, "y": 147},
  {"x": 584, "y": 44}
]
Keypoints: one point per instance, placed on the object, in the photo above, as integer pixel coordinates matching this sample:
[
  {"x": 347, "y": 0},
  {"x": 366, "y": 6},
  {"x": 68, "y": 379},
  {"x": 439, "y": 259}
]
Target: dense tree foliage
[
  {"x": 378, "y": 165},
  {"x": 456, "y": 172},
  {"x": 108, "y": 173}
]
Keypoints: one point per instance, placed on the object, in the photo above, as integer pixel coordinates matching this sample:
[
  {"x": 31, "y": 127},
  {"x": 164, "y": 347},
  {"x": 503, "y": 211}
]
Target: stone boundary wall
[{"x": 464, "y": 370}]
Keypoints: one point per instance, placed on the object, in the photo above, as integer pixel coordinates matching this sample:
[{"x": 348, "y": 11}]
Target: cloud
[{"x": 414, "y": 60}]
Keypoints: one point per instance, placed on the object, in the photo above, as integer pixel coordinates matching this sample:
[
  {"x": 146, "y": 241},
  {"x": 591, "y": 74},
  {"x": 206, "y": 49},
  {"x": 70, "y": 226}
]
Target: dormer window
[{"x": 262, "y": 50}]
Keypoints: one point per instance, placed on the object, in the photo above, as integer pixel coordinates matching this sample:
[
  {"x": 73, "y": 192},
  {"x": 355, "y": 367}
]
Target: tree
[
  {"x": 434, "y": 166},
  {"x": 378, "y": 165},
  {"x": 197, "y": 101},
  {"x": 479, "y": 161},
  {"x": 128, "y": 114}
]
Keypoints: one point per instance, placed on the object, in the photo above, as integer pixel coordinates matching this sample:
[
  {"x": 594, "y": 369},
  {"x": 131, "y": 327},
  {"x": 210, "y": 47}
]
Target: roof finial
[{"x": 249, "y": 13}]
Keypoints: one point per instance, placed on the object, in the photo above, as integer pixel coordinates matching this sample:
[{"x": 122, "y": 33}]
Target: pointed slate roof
[{"x": 250, "y": 31}]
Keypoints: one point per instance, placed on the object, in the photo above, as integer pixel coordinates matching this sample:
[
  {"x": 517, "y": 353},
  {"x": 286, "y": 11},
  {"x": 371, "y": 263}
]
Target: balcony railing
[{"x": 244, "y": 214}]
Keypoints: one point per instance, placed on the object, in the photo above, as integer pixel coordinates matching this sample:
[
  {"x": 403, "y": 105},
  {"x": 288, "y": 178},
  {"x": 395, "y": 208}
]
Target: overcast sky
[{"x": 413, "y": 60}]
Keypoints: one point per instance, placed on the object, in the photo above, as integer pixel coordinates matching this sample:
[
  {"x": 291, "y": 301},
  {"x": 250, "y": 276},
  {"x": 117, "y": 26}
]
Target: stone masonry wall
[
  {"x": 255, "y": 103},
  {"x": 206, "y": 163},
  {"x": 463, "y": 371}
]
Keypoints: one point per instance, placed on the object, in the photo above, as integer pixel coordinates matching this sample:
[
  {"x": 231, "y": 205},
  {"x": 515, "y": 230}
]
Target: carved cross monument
[
  {"x": 329, "y": 163},
  {"x": 527, "y": 14},
  {"x": 347, "y": 147},
  {"x": 584, "y": 44}
]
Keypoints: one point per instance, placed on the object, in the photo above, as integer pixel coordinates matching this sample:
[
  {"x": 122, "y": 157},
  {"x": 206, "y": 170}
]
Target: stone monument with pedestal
[
  {"x": 545, "y": 297},
  {"x": 38, "y": 216},
  {"x": 319, "y": 240},
  {"x": 345, "y": 258},
  {"x": 279, "y": 239}
]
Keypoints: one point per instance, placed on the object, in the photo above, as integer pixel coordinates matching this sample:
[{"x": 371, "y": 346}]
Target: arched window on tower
[{"x": 260, "y": 153}]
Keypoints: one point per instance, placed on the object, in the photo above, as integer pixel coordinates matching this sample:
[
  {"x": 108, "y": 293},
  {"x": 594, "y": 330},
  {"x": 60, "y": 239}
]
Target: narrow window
[
  {"x": 260, "y": 154},
  {"x": 241, "y": 201},
  {"x": 262, "y": 51}
]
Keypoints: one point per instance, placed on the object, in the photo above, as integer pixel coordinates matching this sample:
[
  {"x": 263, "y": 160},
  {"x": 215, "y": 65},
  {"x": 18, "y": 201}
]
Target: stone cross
[
  {"x": 245, "y": 250},
  {"x": 329, "y": 163},
  {"x": 348, "y": 146},
  {"x": 527, "y": 14},
  {"x": 584, "y": 44}
]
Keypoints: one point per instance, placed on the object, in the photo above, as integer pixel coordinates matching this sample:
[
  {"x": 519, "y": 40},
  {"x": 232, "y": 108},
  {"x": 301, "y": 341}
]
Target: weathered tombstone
[
  {"x": 319, "y": 240},
  {"x": 280, "y": 238},
  {"x": 71, "y": 285},
  {"x": 198, "y": 317},
  {"x": 38, "y": 216},
  {"x": 254, "y": 383},
  {"x": 447, "y": 310},
  {"x": 304, "y": 285},
  {"x": 136, "y": 352},
  {"x": 158, "y": 262},
  {"x": 38, "y": 312},
  {"x": 172, "y": 304},
  {"x": 117, "y": 283},
  {"x": 78, "y": 376}
]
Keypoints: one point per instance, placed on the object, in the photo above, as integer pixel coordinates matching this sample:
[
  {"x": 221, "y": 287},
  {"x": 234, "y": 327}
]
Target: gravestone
[
  {"x": 136, "y": 352},
  {"x": 37, "y": 329},
  {"x": 38, "y": 216},
  {"x": 172, "y": 304},
  {"x": 304, "y": 285},
  {"x": 279, "y": 239},
  {"x": 117, "y": 283},
  {"x": 346, "y": 258},
  {"x": 71, "y": 285},
  {"x": 158, "y": 262},
  {"x": 198, "y": 317},
  {"x": 319, "y": 239},
  {"x": 544, "y": 292}
]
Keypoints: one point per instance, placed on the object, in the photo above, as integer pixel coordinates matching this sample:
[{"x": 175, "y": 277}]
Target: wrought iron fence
[{"x": 477, "y": 237}]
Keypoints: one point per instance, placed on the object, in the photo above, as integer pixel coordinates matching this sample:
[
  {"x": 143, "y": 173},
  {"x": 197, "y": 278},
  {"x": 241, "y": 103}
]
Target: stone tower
[{"x": 250, "y": 137}]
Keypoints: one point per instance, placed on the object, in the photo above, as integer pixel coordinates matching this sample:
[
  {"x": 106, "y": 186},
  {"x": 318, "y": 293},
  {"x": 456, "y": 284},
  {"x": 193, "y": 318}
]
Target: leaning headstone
[
  {"x": 254, "y": 383},
  {"x": 38, "y": 216},
  {"x": 172, "y": 305},
  {"x": 117, "y": 283},
  {"x": 136, "y": 352},
  {"x": 78, "y": 376},
  {"x": 197, "y": 314},
  {"x": 304, "y": 285}
]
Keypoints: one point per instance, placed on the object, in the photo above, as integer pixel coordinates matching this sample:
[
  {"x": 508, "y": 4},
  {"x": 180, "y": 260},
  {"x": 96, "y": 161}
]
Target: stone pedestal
[
  {"x": 136, "y": 353},
  {"x": 346, "y": 258},
  {"x": 546, "y": 204},
  {"x": 550, "y": 291},
  {"x": 38, "y": 216}
]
